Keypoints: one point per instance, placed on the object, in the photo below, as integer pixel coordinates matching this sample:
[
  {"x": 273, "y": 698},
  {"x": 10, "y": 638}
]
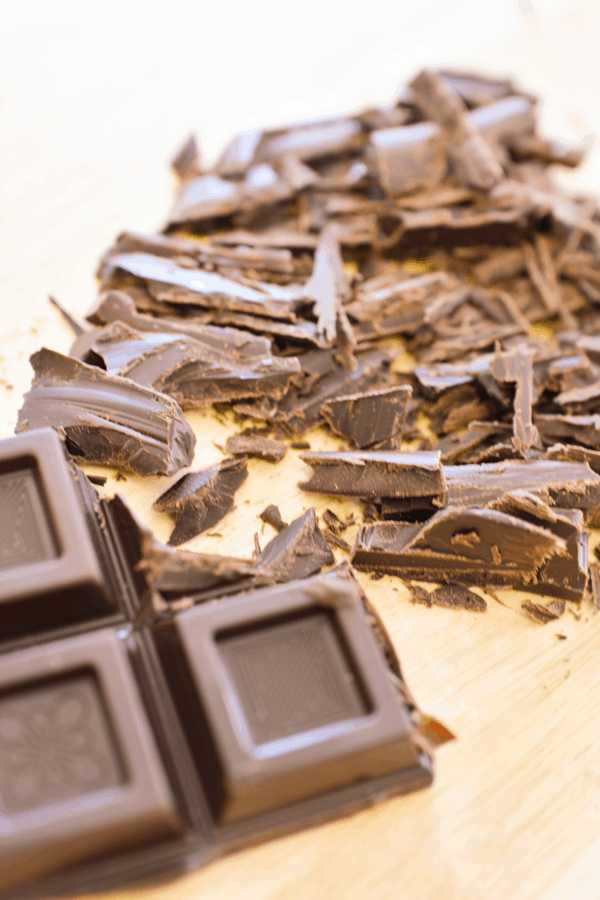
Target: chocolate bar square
[
  {"x": 80, "y": 774},
  {"x": 55, "y": 565},
  {"x": 285, "y": 695}
]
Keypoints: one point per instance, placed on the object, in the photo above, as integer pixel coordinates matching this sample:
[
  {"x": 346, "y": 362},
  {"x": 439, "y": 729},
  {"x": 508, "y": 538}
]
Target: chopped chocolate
[
  {"x": 457, "y": 545},
  {"x": 419, "y": 594},
  {"x": 565, "y": 573},
  {"x": 335, "y": 524},
  {"x": 299, "y": 550},
  {"x": 594, "y": 571},
  {"x": 300, "y": 445},
  {"x": 249, "y": 443},
  {"x": 334, "y": 540},
  {"x": 370, "y": 418},
  {"x": 566, "y": 484},
  {"x": 272, "y": 516},
  {"x": 186, "y": 162},
  {"x": 198, "y": 500},
  {"x": 544, "y": 612},
  {"x": 454, "y": 596},
  {"x": 194, "y": 373},
  {"x": 299, "y": 411},
  {"x": 516, "y": 367},
  {"x": 73, "y": 324},
  {"x": 470, "y": 157},
  {"x": 107, "y": 420},
  {"x": 375, "y": 473},
  {"x": 117, "y": 306}
]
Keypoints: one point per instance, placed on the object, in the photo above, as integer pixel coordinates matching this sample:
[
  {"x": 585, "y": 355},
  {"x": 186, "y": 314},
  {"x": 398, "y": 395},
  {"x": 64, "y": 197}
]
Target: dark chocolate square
[
  {"x": 80, "y": 773},
  {"x": 55, "y": 569},
  {"x": 285, "y": 695},
  {"x": 25, "y": 533},
  {"x": 292, "y": 677},
  {"x": 56, "y": 743}
]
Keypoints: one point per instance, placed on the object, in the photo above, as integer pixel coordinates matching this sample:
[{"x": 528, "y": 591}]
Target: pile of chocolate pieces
[{"x": 292, "y": 282}]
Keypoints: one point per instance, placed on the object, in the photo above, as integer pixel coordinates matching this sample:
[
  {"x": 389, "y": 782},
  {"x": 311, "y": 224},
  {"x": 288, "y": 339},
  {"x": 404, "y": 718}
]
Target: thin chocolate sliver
[{"x": 250, "y": 443}]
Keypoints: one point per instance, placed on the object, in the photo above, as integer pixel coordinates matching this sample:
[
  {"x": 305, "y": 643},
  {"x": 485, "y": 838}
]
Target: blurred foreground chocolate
[
  {"x": 63, "y": 563},
  {"x": 80, "y": 773}
]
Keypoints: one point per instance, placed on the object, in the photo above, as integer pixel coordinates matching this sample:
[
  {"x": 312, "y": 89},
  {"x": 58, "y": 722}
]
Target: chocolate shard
[
  {"x": 470, "y": 157},
  {"x": 579, "y": 429},
  {"x": 301, "y": 410},
  {"x": 565, "y": 573},
  {"x": 376, "y": 473},
  {"x": 544, "y": 612},
  {"x": 117, "y": 306},
  {"x": 594, "y": 570},
  {"x": 454, "y": 596},
  {"x": 564, "y": 484},
  {"x": 192, "y": 372},
  {"x": 198, "y": 287},
  {"x": 329, "y": 287},
  {"x": 198, "y": 500},
  {"x": 335, "y": 523},
  {"x": 408, "y": 158},
  {"x": 186, "y": 162},
  {"x": 252, "y": 443},
  {"x": 299, "y": 550},
  {"x": 457, "y": 545},
  {"x": 272, "y": 516},
  {"x": 371, "y": 417},
  {"x": 107, "y": 420},
  {"x": 515, "y": 367}
]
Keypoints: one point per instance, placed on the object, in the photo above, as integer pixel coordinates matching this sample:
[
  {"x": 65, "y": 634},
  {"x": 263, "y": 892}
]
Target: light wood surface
[{"x": 91, "y": 105}]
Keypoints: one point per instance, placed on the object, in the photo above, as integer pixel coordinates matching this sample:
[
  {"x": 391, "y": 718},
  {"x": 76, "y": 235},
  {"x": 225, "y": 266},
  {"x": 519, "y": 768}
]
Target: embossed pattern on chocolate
[
  {"x": 24, "y": 533},
  {"x": 55, "y": 744},
  {"x": 292, "y": 677}
]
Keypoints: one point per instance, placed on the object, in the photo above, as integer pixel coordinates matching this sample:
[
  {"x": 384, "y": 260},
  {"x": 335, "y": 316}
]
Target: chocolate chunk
[
  {"x": 566, "y": 484},
  {"x": 198, "y": 500},
  {"x": 580, "y": 429},
  {"x": 299, "y": 411},
  {"x": 255, "y": 668},
  {"x": 369, "y": 418},
  {"x": 565, "y": 573},
  {"x": 106, "y": 419},
  {"x": 176, "y": 284},
  {"x": 80, "y": 774},
  {"x": 117, "y": 306},
  {"x": 544, "y": 612},
  {"x": 190, "y": 371},
  {"x": 299, "y": 550},
  {"x": 375, "y": 473},
  {"x": 250, "y": 443},
  {"x": 457, "y": 545},
  {"x": 594, "y": 571},
  {"x": 272, "y": 516},
  {"x": 334, "y": 540},
  {"x": 454, "y": 596},
  {"x": 335, "y": 524}
]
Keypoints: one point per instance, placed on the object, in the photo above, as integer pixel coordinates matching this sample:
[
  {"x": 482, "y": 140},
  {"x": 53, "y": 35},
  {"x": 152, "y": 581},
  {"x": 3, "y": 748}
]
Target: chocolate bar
[
  {"x": 81, "y": 777},
  {"x": 63, "y": 564},
  {"x": 284, "y": 696}
]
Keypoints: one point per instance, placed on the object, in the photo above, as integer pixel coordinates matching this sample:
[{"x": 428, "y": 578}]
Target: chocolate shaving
[{"x": 198, "y": 500}]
